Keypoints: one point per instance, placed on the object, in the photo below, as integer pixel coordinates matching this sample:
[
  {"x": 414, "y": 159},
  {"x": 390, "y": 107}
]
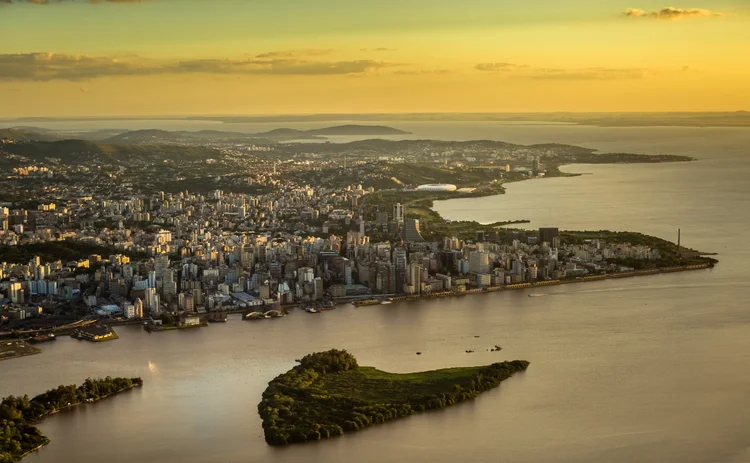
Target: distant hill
[
  {"x": 86, "y": 152},
  {"x": 24, "y": 134},
  {"x": 283, "y": 133},
  {"x": 351, "y": 130},
  {"x": 152, "y": 136}
]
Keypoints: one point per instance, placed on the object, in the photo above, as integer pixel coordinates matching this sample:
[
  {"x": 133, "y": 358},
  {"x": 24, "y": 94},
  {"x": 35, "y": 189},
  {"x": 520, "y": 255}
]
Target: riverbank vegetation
[
  {"x": 329, "y": 394},
  {"x": 17, "y": 435}
]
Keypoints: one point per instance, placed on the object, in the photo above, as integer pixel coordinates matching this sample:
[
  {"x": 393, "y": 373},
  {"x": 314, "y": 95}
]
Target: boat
[
  {"x": 386, "y": 302},
  {"x": 536, "y": 295},
  {"x": 311, "y": 310},
  {"x": 42, "y": 338}
]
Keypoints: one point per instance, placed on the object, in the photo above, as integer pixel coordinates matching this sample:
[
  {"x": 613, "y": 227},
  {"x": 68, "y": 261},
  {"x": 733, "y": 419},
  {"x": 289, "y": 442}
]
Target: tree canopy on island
[
  {"x": 328, "y": 394},
  {"x": 18, "y": 437}
]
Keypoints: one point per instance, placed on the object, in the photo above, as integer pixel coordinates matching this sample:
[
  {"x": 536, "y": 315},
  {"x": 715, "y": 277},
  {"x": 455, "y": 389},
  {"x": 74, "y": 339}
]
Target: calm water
[{"x": 651, "y": 369}]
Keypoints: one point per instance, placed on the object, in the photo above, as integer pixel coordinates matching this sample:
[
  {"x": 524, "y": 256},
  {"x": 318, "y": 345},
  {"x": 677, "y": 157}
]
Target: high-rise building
[
  {"x": 415, "y": 277},
  {"x": 479, "y": 262},
  {"x": 318, "y": 289},
  {"x": 138, "y": 308},
  {"x": 398, "y": 213},
  {"x": 547, "y": 235},
  {"x": 536, "y": 165},
  {"x": 16, "y": 292},
  {"x": 161, "y": 264}
]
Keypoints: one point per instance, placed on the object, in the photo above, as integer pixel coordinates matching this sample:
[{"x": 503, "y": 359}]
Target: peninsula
[
  {"x": 329, "y": 394},
  {"x": 18, "y": 437}
]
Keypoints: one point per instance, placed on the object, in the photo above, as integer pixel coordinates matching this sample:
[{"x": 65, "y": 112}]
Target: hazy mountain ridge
[{"x": 158, "y": 136}]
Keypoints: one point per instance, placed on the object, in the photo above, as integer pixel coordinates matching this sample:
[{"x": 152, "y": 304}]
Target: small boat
[
  {"x": 536, "y": 295},
  {"x": 42, "y": 338},
  {"x": 469, "y": 351},
  {"x": 386, "y": 302},
  {"x": 311, "y": 310},
  {"x": 419, "y": 353}
]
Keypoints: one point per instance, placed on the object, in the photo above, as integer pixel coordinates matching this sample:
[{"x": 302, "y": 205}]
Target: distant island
[
  {"x": 329, "y": 394},
  {"x": 19, "y": 438}
]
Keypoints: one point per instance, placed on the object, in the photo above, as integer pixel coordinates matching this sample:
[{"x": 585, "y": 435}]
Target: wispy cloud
[
  {"x": 294, "y": 53},
  {"x": 278, "y": 66},
  {"x": 423, "y": 72},
  {"x": 591, "y": 73},
  {"x": 52, "y": 66},
  {"x": 672, "y": 13},
  {"x": 499, "y": 67}
]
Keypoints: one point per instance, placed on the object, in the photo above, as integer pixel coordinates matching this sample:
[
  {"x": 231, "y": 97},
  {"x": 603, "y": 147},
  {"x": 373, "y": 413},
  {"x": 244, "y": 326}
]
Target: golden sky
[{"x": 158, "y": 57}]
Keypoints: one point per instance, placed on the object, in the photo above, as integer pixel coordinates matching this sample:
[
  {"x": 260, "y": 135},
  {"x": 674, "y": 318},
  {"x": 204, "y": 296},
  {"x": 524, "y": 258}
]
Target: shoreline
[
  {"x": 92, "y": 401},
  {"x": 540, "y": 284},
  {"x": 36, "y": 449},
  {"x": 77, "y": 404}
]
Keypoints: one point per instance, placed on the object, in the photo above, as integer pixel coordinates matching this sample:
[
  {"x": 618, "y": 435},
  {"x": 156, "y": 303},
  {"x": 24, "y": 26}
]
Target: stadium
[{"x": 437, "y": 187}]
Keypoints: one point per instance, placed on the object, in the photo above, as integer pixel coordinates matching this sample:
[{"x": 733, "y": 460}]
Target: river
[{"x": 644, "y": 369}]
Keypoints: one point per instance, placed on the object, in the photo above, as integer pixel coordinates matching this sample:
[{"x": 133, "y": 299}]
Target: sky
[{"x": 179, "y": 57}]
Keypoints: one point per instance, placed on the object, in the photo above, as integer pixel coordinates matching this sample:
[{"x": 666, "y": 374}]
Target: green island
[
  {"x": 18, "y": 436},
  {"x": 329, "y": 394}
]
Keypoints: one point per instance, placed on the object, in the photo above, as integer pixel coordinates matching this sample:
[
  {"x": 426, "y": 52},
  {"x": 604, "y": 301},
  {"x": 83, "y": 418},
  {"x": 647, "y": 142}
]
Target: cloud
[
  {"x": 595, "y": 73},
  {"x": 294, "y": 53},
  {"x": 280, "y": 66},
  {"x": 590, "y": 73},
  {"x": 671, "y": 13},
  {"x": 499, "y": 67},
  {"x": 53, "y": 66},
  {"x": 423, "y": 72}
]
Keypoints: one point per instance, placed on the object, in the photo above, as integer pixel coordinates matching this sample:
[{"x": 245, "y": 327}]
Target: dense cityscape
[{"x": 92, "y": 249}]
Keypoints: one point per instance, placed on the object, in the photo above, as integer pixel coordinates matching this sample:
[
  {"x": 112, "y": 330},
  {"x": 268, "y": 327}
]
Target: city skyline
[{"x": 161, "y": 57}]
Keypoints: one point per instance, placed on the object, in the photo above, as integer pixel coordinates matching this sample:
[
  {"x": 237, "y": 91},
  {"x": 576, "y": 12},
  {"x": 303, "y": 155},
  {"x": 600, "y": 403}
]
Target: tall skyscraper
[
  {"x": 479, "y": 262},
  {"x": 546, "y": 235},
  {"x": 415, "y": 277},
  {"x": 398, "y": 213}
]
